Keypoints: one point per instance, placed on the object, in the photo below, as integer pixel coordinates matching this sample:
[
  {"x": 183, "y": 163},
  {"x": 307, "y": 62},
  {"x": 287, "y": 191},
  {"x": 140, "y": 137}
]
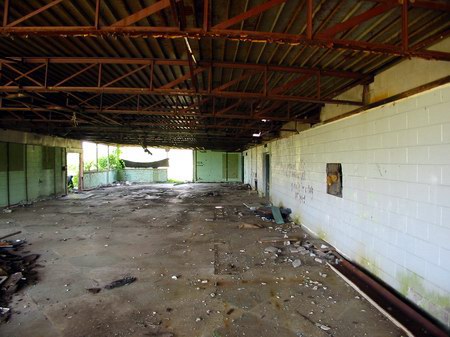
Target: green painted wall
[
  {"x": 3, "y": 175},
  {"x": 97, "y": 179},
  {"x": 144, "y": 175},
  {"x": 30, "y": 172},
  {"x": 34, "y": 159},
  {"x": 60, "y": 176},
  {"x": 16, "y": 165},
  {"x": 216, "y": 166}
]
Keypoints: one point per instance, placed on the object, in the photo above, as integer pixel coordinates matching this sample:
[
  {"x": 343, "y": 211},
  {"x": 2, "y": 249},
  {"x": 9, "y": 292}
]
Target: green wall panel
[
  {"x": 209, "y": 166},
  {"x": 59, "y": 173},
  {"x": 234, "y": 167},
  {"x": 3, "y": 159},
  {"x": 216, "y": 166},
  {"x": 34, "y": 172},
  {"x": 147, "y": 175},
  {"x": 17, "y": 185},
  {"x": 34, "y": 167},
  {"x": 3, "y": 176}
]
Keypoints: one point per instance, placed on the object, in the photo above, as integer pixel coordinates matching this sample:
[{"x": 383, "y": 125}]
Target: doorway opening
[
  {"x": 266, "y": 170},
  {"x": 73, "y": 172}
]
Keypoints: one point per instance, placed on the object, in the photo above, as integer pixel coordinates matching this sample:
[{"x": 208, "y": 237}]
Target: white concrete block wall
[{"x": 394, "y": 216}]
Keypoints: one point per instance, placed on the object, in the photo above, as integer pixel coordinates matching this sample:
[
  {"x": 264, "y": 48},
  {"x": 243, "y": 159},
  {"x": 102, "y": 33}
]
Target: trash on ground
[
  {"x": 122, "y": 282},
  {"x": 15, "y": 271},
  {"x": 278, "y": 239},
  {"x": 250, "y": 226},
  {"x": 11, "y": 234},
  {"x": 323, "y": 327},
  {"x": 277, "y": 215},
  {"x": 271, "y": 249},
  {"x": 296, "y": 263}
]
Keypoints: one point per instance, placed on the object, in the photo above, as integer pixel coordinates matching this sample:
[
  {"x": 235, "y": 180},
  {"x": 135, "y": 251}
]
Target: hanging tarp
[{"x": 154, "y": 164}]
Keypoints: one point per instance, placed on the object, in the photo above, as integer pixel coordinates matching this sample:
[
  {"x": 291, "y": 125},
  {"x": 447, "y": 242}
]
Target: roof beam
[
  {"x": 143, "y": 13},
  {"x": 358, "y": 19},
  {"x": 177, "y": 7},
  {"x": 214, "y": 64},
  {"x": 248, "y": 14},
  {"x": 124, "y": 76},
  {"x": 162, "y": 112},
  {"x": 290, "y": 84},
  {"x": 21, "y": 75},
  {"x": 432, "y": 5},
  {"x": 405, "y": 35},
  {"x": 173, "y": 124},
  {"x": 182, "y": 78},
  {"x": 25, "y": 74},
  {"x": 309, "y": 18},
  {"x": 236, "y": 80},
  {"x": 30, "y": 15},
  {"x": 239, "y": 35},
  {"x": 178, "y": 92},
  {"x": 5, "y": 12},
  {"x": 75, "y": 74}
]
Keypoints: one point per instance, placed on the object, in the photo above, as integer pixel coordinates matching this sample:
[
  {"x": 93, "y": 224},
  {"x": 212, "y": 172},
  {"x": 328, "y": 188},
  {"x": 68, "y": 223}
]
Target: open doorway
[
  {"x": 73, "y": 172},
  {"x": 266, "y": 168}
]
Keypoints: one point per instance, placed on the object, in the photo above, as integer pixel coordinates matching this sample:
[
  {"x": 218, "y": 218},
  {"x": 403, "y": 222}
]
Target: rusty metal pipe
[{"x": 401, "y": 308}]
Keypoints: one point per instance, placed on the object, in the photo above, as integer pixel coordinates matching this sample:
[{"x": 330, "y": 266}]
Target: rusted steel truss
[
  {"x": 46, "y": 84},
  {"x": 189, "y": 102},
  {"x": 324, "y": 39}
]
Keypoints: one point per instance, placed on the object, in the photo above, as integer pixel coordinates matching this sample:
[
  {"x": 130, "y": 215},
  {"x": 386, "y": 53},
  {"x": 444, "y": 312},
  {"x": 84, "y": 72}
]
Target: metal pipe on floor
[{"x": 393, "y": 300}]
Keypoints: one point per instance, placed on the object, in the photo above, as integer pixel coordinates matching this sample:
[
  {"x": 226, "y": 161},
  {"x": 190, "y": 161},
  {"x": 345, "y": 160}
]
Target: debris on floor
[
  {"x": 195, "y": 277},
  {"x": 279, "y": 214},
  {"x": 121, "y": 282},
  {"x": 296, "y": 263},
  {"x": 15, "y": 271},
  {"x": 276, "y": 213},
  {"x": 250, "y": 226}
]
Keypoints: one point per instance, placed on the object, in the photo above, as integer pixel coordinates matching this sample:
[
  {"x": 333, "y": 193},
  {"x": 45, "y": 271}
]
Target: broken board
[{"x": 277, "y": 215}]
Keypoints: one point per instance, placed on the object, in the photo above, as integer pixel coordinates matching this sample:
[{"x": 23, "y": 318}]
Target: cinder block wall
[{"x": 394, "y": 216}]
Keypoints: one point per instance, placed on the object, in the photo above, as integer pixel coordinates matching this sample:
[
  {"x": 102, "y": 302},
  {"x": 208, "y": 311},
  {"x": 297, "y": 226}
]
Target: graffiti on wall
[{"x": 298, "y": 183}]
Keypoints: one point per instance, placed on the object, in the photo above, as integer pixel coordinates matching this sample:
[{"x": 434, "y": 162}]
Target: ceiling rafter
[
  {"x": 248, "y": 14},
  {"x": 194, "y": 74}
]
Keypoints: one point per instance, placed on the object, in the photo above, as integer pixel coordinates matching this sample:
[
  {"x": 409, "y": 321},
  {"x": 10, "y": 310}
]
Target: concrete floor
[{"x": 226, "y": 285}]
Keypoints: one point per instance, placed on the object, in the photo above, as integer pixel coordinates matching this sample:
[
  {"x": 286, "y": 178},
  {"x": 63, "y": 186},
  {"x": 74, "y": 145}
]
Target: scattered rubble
[
  {"x": 15, "y": 271},
  {"x": 273, "y": 250},
  {"x": 323, "y": 327},
  {"x": 296, "y": 263}
]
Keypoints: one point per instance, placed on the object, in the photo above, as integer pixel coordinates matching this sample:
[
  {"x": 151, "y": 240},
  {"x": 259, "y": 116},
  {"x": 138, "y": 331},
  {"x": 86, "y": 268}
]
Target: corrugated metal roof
[{"x": 233, "y": 65}]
